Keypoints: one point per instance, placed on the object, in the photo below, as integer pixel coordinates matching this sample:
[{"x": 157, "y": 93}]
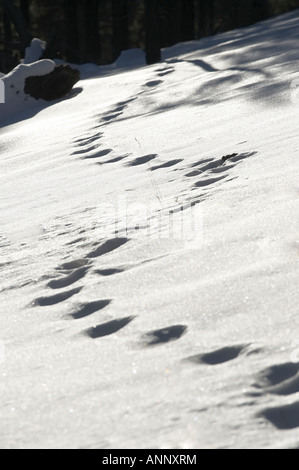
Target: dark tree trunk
[
  {"x": 236, "y": 12},
  {"x": 24, "y": 7},
  {"x": 92, "y": 51},
  {"x": 72, "y": 37},
  {"x": 210, "y": 16},
  {"x": 260, "y": 10},
  {"x": 205, "y": 17},
  {"x": 176, "y": 21},
  {"x": 7, "y": 28},
  {"x": 187, "y": 16},
  {"x": 16, "y": 17},
  {"x": 120, "y": 26},
  {"x": 82, "y": 30},
  {"x": 153, "y": 52}
]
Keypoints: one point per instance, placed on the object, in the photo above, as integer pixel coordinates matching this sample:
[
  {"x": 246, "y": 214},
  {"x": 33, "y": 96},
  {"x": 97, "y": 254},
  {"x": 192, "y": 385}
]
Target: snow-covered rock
[{"x": 16, "y": 100}]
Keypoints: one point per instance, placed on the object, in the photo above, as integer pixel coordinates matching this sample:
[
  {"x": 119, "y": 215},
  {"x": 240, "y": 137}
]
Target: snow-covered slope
[{"x": 149, "y": 285}]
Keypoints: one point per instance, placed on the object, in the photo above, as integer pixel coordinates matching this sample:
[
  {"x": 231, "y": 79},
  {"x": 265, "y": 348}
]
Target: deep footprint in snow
[
  {"x": 153, "y": 83},
  {"x": 107, "y": 247},
  {"x": 143, "y": 160},
  {"x": 164, "y": 71},
  {"x": 282, "y": 379},
  {"x": 108, "y": 328},
  {"x": 166, "y": 164},
  {"x": 236, "y": 157},
  {"x": 282, "y": 417},
  {"x": 56, "y": 299},
  {"x": 108, "y": 272},
  {"x": 207, "y": 182},
  {"x": 100, "y": 154},
  {"x": 201, "y": 162},
  {"x": 109, "y": 117},
  {"x": 68, "y": 280},
  {"x": 164, "y": 335},
  {"x": 82, "y": 142},
  {"x": 90, "y": 308},
  {"x": 114, "y": 160},
  {"x": 219, "y": 356},
  {"x": 86, "y": 150},
  {"x": 75, "y": 264}
]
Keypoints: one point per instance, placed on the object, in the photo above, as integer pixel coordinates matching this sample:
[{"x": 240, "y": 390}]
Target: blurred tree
[
  {"x": 187, "y": 19},
  {"x": 152, "y": 27},
  {"x": 259, "y": 10},
  {"x": 98, "y": 30},
  {"x": 82, "y": 28},
  {"x": 15, "y": 16},
  {"x": 120, "y": 26},
  {"x": 24, "y": 7}
]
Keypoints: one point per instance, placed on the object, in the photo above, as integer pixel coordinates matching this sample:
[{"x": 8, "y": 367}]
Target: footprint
[
  {"x": 280, "y": 379},
  {"x": 68, "y": 280},
  {"x": 226, "y": 157},
  {"x": 221, "y": 169},
  {"x": 88, "y": 149},
  {"x": 108, "y": 328},
  {"x": 89, "y": 308},
  {"x": 165, "y": 72},
  {"x": 213, "y": 165},
  {"x": 88, "y": 140},
  {"x": 107, "y": 247},
  {"x": 166, "y": 164},
  {"x": 209, "y": 181},
  {"x": 78, "y": 263},
  {"x": 108, "y": 272},
  {"x": 164, "y": 335},
  {"x": 201, "y": 162},
  {"x": 236, "y": 157},
  {"x": 76, "y": 241},
  {"x": 113, "y": 160},
  {"x": 154, "y": 83},
  {"x": 282, "y": 417},
  {"x": 120, "y": 108},
  {"x": 56, "y": 299},
  {"x": 142, "y": 160},
  {"x": 219, "y": 356},
  {"x": 193, "y": 173},
  {"x": 102, "y": 153},
  {"x": 210, "y": 166},
  {"x": 126, "y": 102},
  {"x": 110, "y": 117}
]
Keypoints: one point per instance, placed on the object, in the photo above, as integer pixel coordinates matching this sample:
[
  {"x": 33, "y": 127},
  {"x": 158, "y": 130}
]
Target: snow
[
  {"x": 16, "y": 100},
  {"x": 35, "y": 51},
  {"x": 182, "y": 333}
]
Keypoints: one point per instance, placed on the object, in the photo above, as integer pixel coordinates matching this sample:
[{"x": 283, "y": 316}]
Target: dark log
[{"x": 54, "y": 85}]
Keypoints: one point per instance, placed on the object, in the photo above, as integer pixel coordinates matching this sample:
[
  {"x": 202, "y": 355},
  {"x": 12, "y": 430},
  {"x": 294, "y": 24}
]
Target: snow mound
[
  {"x": 16, "y": 100},
  {"x": 131, "y": 58},
  {"x": 35, "y": 51}
]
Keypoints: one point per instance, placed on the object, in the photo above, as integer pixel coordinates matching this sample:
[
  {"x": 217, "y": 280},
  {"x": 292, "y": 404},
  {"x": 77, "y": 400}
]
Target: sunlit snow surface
[{"x": 149, "y": 286}]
